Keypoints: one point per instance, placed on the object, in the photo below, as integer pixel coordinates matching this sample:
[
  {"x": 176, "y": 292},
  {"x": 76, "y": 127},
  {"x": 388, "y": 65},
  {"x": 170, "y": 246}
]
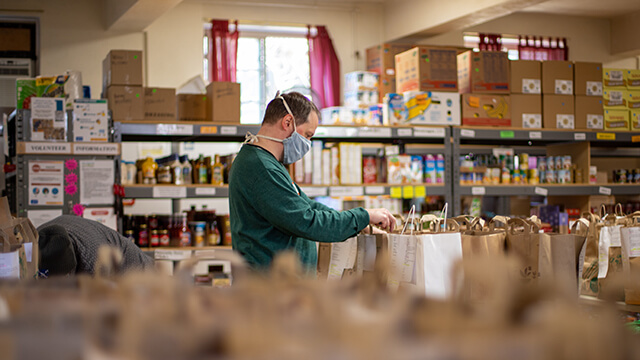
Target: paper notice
[
  {"x": 45, "y": 182},
  {"x": 48, "y": 119},
  {"x": 603, "y": 250},
  {"x": 39, "y": 217},
  {"x": 90, "y": 120},
  {"x": 634, "y": 242},
  {"x": 105, "y": 215},
  {"x": 402, "y": 250},
  {"x": 96, "y": 181},
  {"x": 10, "y": 265},
  {"x": 343, "y": 256}
]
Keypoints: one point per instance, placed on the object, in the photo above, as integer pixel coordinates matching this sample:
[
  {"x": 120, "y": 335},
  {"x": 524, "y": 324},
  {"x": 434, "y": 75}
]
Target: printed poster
[
  {"x": 90, "y": 120},
  {"x": 96, "y": 181},
  {"x": 45, "y": 182},
  {"x": 48, "y": 119}
]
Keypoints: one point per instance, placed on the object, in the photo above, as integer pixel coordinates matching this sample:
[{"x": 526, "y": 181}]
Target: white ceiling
[{"x": 591, "y": 8}]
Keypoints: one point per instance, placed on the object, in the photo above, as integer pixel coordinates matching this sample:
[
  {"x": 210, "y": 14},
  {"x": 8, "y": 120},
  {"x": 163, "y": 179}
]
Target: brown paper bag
[
  {"x": 630, "y": 235},
  {"x": 19, "y": 239},
  {"x": 610, "y": 284},
  {"x": 523, "y": 240},
  {"x": 560, "y": 256},
  {"x": 478, "y": 242},
  {"x": 589, "y": 279}
]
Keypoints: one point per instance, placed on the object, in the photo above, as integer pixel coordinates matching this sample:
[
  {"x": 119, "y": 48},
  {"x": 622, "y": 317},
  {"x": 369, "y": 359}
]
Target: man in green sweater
[{"x": 269, "y": 212}]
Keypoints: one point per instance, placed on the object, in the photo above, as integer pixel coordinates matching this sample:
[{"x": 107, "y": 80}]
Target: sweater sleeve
[
  {"x": 314, "y": 204},
  {"x": 276, "y": 199}
]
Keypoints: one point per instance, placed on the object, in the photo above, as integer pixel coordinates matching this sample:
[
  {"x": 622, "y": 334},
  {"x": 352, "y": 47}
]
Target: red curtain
[
  {"x": 490, "y": 42},
  {"x": 539, "y": 48},
  {"x": 325, "y": 68},
  {"x": 223, "y": 51}
]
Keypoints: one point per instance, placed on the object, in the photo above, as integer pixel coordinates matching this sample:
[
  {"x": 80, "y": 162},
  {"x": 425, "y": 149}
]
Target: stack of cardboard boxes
[
  {"x": 621, "y": 98},
  {"x": 558, "y": 105},
  {"x": 381, "y": 60},
  {"x": 588, "y": 101},
  {"x": 129, "y": 100},
  {"x": 526, "y": 94},
  {"x": 484, "y": 82}
]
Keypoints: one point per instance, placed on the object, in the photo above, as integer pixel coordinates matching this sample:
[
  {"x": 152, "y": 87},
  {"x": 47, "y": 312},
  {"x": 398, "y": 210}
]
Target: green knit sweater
[{"x": 269, "y": 213}]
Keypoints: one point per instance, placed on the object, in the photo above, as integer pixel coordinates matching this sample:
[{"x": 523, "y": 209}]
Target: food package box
[
  {"x": 90, "y": 120},
  {"x": 317, "y": 146},
  {"x": 122, "y": 67},
  {"x": 361, "y": 99},
  {"x": 19, "y": 249},
  {"x": 192, "y": 107},
  {"x": 588, "y": 78},
  {"x": 25, "y": 90},
  {"x": 51, "y": 86},
  {"x": 613, "y": 78},
  {"x": 159, "y": 104},
  {"x": 557, "y": 77},
  {"x": 632, "y": 79},
  {"x": 394, "y": 111},
  {"x": 526, "y": 111},
  {"x": 558, "y": 111},
  {"x": 374, "y": 115},
  {"x": 526, "y": 77},
  {"x": 387, "y": 85},
  {"x": 483, "y": 72},
  {"x": 634, "y": 120},
  {"x": 399, "y": 169},
  {"x": 614, "y": 98},
  {"x": 126, "y": 102},
  {"x": 632, "y": 98},
  {"x": 616, "y": 120},
  {"x": 223, "y": 102},
  {"x": 426, "y": 68},
  {"x": 589, "y": 113},
  {"x": 335, "y": 115},
  {"x": 486, "y": 110},
  {"x": 326, "y": 166},
  {"x": 361, "y": 81},
  {"x": 381, "y": 58},
  {"x": 432, "y": 108}
]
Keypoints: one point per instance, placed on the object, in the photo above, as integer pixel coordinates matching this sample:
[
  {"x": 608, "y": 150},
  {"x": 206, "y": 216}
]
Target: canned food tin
[
  {"x": 542, "y": 163},
  {"x": 566, "y": 162},
  {"x": 558, "y": 162},
  {"x": 551, "y": 176},
  {"x": 533, "y": 177},
  {"x": 562, "y": 176},
  {"x": 551, "y": 163}
]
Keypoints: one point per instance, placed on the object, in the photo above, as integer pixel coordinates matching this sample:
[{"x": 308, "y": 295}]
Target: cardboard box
[
  {"x": 432, "y": 108},
  {"x": 589, "y": 112},
  {"x": 159, "y": 104},
  {"x": 484, "y": 72},
  {"x": 613, "y": 78},
  {"x": 223, "y": 102},
  {"x": 632, "y": 79},
  {"x": 427, "y": 69},
  {"x": 632, "y": 98},
  {"x": 486, "y": 110},
  {"x": 557, "y": 77},
  {"x": 381, "y": 58},
  {"x": 526, "y": 111},
  {"x": 558, "y": 111},
  {"x": 588, "y": 78},
  {"x": 192, "y": 107},
  {"x": 126, "y": 102},
  {"x": 387, "y": 85},
  {"x": 122, "y": 67},
  {"x": 616, "y": 120},
  {"x": 614, "y": 98},
  {"x": 361, "y": 81},
  {"x": 526, "y": 77},
  {"x": 634, "y": 120}
]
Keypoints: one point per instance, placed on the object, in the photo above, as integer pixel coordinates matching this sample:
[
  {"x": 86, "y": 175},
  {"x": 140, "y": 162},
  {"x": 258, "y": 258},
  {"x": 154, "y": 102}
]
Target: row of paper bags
[{"x": 600, "y": 257}]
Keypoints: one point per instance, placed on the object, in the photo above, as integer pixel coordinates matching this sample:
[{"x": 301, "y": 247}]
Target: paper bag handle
[
  {"x": 498, "y": 219},
  {"x": 450, "y": 225},
  {"x": 618, "y": 210},
  {"x": 528, "y": 227},
  {"x": 584, "y": 224},
  {"x": 464, "y": 220},
  {"x": 476, "y": 224},
  {"x": 431, "y": 219},
  {"x": 603, "y": 211}
]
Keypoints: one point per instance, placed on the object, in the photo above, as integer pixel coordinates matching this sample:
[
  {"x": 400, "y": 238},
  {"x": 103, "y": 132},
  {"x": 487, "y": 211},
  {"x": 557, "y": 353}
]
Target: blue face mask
[{"x": 296, "y": 146}]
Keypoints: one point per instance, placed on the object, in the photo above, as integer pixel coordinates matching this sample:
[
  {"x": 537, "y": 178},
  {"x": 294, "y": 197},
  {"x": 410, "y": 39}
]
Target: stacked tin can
[{"x": 555, "y": 169}]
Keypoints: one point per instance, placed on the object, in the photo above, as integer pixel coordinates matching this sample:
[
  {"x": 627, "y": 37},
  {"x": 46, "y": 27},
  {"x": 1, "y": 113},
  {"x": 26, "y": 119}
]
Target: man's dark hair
[{"x": 300, "y": 106}]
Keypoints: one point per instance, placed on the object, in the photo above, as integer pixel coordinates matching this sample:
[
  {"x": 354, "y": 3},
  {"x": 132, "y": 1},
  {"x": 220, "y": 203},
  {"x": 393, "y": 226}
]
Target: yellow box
[
  {"x": 614, "y": 99},
  {"x": 613, "y": 78},
  {"x": 632, "y": 98},
  {"x": 616, "y": 120},
  {"x": 634, "y": 119},
  {"x": 632, "y": 79}
]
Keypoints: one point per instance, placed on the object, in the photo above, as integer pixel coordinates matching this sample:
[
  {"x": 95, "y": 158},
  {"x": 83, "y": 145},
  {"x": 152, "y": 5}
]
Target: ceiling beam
[{"x": 135, "y": 15}]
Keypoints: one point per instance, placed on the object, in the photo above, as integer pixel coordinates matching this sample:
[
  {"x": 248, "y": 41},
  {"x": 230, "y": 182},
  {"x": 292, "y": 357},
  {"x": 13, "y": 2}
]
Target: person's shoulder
[{"x": 254, "y": 159}]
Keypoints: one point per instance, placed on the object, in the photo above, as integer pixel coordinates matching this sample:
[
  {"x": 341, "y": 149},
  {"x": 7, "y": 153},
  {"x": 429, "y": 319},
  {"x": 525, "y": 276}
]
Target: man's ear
[{"x": 286, "y": 121}]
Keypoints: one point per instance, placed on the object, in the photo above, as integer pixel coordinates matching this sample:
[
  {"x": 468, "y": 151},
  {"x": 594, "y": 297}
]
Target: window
[
  {"x": 509, "y": 43},
  {"x": 269, "y": 59},
  {"x": 523, "y": 47}
]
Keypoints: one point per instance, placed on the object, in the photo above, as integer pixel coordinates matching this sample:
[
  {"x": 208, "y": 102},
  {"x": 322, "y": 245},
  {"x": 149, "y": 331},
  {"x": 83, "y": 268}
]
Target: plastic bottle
[
  {"x": 176, "y": 170},
  {"x": 201, "y": 171},
  {"x": 149, "y": 168},
  {"x": 187, "y": 170},
  {"x": 217, "y": 172}
]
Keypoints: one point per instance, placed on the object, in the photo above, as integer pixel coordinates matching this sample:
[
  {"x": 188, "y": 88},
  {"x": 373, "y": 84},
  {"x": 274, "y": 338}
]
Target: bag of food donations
[
  {"x": 630, "y": 239},
  {"x": 610, "y": 267},
  {"x": 19, "y": 252}
]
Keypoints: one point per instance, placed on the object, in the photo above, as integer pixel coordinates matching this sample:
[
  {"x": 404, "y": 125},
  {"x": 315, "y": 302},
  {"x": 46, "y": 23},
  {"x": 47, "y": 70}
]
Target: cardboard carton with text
[
  {"x": 486, "y": 110},
  {"x": 192, "y": 107},
  {"x": 558, "y": 111},
  {"x": 159, "y": 104},
  {"x": 557, "y": 77},
  {"x": 589, "y": 112},
  {"x": 126, "y": 102},
  {"x": 483, "y": 72},
  {"x": 526, "y": 77},
  {"x": 616, "y": 120},
  {"x": 613, "y": 78},
  {"x": 426, "y": 68},
  {"x": 122, "y": 67},
  {"x": 223, "y": 102},
  {"x": 526, "y": 111},
  {"x": 588, "y": 78}
]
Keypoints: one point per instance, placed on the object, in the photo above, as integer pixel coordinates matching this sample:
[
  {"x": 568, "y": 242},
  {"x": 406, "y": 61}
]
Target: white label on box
[
  {"x": 340, "y": 191},
  {"x": 564, "y": 121},
  {"x": 405, "y": 132},
  {"x": 228, "y": 130},
  {"x": 540, "y": 191},
  {"x": 478, "y": 190},
  {"x": 96, "y": 149},
  {"x": 594, "y": 88},
  {"x": 171, "y": 192},
  {"x": 534, "y": 135},
  {"x": 28, "y": 251},
  {"x": 174, "y": 129},
  {"x": 579, "y": 136},
  {"x": 374, "y": 132},
  {"x": 208, "y": 191},
  {"x": 314, "y": 191},
  {"x": 467, "y": 133},
  {"x": 428, "y": 132},
  {"x": 615, "y": 75},
  {"x": 10, "y": 265},
  {"x": 171, "y": 254},
  {"x": 391, "y": 71},
  {"x": 47, "y": 148},
  {"x": 564, "y": 87},
  {"x": 374, "y": 190},
  {"x": 634, "y": 241},
  {"x": 615, "y": 97},
  {"x": 595, "y": 121},
  {"x": 604, "y": 190},
  {"x": 532, "y": 121},
  {"x": 531, "y": 86}
]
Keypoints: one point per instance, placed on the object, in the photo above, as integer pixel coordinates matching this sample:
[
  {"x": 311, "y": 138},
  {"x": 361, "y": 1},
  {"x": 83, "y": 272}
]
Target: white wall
[{"x": 588, "y": 38}]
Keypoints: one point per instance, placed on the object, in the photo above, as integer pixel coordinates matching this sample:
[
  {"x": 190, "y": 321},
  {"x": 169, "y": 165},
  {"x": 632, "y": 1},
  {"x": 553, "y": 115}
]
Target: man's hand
[{"x": 382, "y": 218}]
